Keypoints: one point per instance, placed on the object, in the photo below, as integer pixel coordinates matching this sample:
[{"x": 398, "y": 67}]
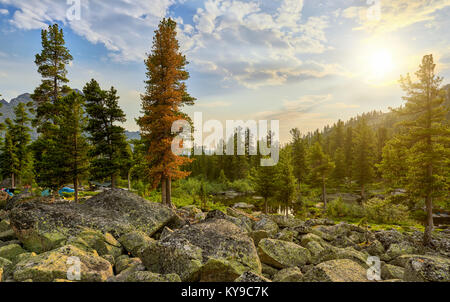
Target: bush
[
  {"x": 384, "y": 211},
  {"x": 242, "y": 186},
  {"x": 338, "y": 209}
]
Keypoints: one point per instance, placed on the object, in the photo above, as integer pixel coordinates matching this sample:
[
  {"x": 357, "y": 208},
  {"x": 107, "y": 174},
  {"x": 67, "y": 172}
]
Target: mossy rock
[
  {"x": 135, "y": 241},
  {"x": 25, "y": 256},
  {"x": 374, "y": 248},
  {"x": 291, "y": 274},
  {"x": 55, "y": 264},
  {"x": 389, "y": 272},
  {"x": 286, "y": 235},
  {"x": 145, "y": 276},
  {"x": 341, "y": 270},
  {"x": 183, "y": 258},
  {"x": 310, "y": 237},
  {"x": 36, "y": 241},
  {"x": 352, "y": 254},
  {"x": 187, "y": 250},
  {"x": 427, "y": 269},
  {"x": 266, "y": 224},
  {"x": 258, "y": 235},
  {"x": 104, "y": 244},
  {"x": 221, "y": 270},
  {"x": 251, "y": 277},
  {"x": 5, "y": 266},
  {"x": 282, "y": 254},
  {"x": 123, "y": 262},
  {"x": 398, "y": 249},
  {"x": 7, "y": 235},
  {"x": 11, "y": 251},
  {"x": 268, "y": 271},
  {"x": 4, "y": 226}
]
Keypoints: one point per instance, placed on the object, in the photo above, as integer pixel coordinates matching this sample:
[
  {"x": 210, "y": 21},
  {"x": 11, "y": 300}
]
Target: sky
[{"x": 306, "y": 63}]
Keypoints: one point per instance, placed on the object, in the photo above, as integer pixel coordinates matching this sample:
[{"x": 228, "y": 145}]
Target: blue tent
[
  {"x": 65, "y": 190},
  {"x": 45, "y": 193},
  {"x": 9, "y": 193}
]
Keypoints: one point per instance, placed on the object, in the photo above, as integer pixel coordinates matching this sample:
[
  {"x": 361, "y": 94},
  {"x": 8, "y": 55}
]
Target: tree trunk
[
  {"x": 113, "y": 181},
  {"x": 287, "y": 209},
  {"x": 163, "y": 191},
  {"x": 13, "y": 181},
  {"x": 75, "y": 185},
  {"x": 265, "y": 205},
  {"x": 169, "y": 192},
  {"x": 363, "y": 193},
  {"x": 324, "y": 194},
  {"x": 429, "y": 223},
  {"x": 129, "y": 180}
]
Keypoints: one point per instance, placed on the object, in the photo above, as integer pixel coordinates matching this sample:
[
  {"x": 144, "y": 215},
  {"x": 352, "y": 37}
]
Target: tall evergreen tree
[
  {"x": 51, "y": 64},
  {"x": 348, "y": 152},
  {"x": 109, "y": 145},
  {"x": 363, "y": 155},
  {"x": 425, "y": 135},
  {"x": 73, "y": 146},
  {"x": 265, "y": 183},
  {"x": 299, "y": 157},
  {"x": 16, "y": 157},
  {"x": 320, "y": 166},
  {"x": 165, "y": 93},
  {"x": 285, "y": 179}
]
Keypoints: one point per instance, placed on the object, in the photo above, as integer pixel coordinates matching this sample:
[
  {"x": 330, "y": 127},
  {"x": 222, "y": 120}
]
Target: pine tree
[
  {"x": 71, "y": 141},
  {"x": 285, "y": 179},
  {"x": 363, "y": 156},
  {"x": 348, "y": 152},
  {"x": 320, "y": 166},
  {"x": 265, "y": 183},
  {"x": 340, "y": 166},
  {"x": 16, "y": 157},
  {"x": 107, "y": 138},
  {"x": 299, "y": 157},
  {"x": 165, "y": 94},
  {"x": 9, "y": 161},
  {"x": 51, "y": 64},
  {"x": 425, "y": 135}
]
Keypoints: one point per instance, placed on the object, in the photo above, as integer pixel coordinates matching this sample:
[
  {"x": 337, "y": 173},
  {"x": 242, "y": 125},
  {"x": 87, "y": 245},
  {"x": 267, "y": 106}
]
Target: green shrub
[
  {"x": 384, "y": 211},
  {"x": 339, "y": 209},
  {"x": 242, "y": 186}
]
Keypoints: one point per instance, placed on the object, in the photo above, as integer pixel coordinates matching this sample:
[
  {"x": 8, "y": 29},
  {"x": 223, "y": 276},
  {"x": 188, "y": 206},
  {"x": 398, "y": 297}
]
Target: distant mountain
[{"x": 7, "y": 109}]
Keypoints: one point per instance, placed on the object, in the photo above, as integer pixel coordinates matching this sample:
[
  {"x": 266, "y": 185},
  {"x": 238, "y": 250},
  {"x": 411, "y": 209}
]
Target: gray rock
[
  {"x": 42, "y": 226},
  {"x": 427, "y": 268}
]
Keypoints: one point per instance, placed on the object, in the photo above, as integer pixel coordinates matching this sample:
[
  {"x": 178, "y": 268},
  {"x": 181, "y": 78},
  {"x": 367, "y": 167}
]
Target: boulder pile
[{"x": 117, "y": 236}]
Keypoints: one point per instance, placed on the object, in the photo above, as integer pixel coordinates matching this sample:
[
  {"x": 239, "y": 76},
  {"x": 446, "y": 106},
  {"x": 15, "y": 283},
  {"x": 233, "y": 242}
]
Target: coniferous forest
[{"x": 375, "y": 185}]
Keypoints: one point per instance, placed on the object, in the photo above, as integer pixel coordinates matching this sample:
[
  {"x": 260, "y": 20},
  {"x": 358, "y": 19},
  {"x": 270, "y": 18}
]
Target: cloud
[
  {"x": 250, "y": 43},
  {"x": 394, "y": 14},
  {"x": 254, "y": 46},
  {"x": 4, "y": 11},
  {"x": 213, "y": 104},
  {"x": 124, "y": 27}
]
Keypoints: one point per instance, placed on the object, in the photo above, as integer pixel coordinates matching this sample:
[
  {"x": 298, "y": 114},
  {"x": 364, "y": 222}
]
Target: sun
[{"x": 381, "y": 63}]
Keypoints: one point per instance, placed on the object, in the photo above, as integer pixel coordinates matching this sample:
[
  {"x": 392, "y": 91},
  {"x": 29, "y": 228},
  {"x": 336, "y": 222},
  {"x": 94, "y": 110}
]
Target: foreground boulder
[
  {"x": 214, "y": 250},
  {"x": 342, "y": 270},
  {"x": 42, "y": 226},
  {"x": 427, "y": 268},
  {"x": 56, "y": 264},
  {"x": 282, "y": 254}
]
